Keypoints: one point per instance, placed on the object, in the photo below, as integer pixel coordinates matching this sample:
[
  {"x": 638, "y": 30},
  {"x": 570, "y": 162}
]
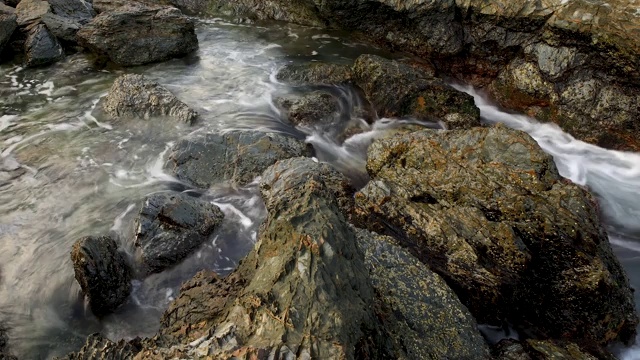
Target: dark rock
[
  {"x": 80, "y": 10},
  {"x": 61, "y": 27},
  {"x": 102, "y": 272},
  {"x": 400, "y": 90},
  {"x": 423, "y": 315},
  {"x": 235, "y": 156},
  {"x": 172, "y": 226},
  {"x": 133, "y": 95},
  {"x": 487, "y": 210},
  {"x": 510, "y": 350},
  {"x": 316, "y": 108},
  {"x": 101, "y": 6},
  {"x": 541, "y": 350},
  {"x": 4, "y": 340},
  {"x": 297, "y": 11},
  {"x": 315, "y": 73},
  {"x": 139, "y": 34},
  {"x": 7, "y": 26},
  {"x": 98, "y": 347},
  {"x": 41, "y": 47}
]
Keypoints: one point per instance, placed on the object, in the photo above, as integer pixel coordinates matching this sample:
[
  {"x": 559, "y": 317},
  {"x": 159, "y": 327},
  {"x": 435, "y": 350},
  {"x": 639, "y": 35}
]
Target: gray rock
[
  {"x": 102, "y": 272},
  {"x": 171, "y": 226},
  {"x": 138, "y": 34},
  {"x": 315, "y": 73},
  {"x": 80, "y": 10},
  {"x": 422, "y": 314},
  {"x": 235, "y": 156},
  {"x": 316, "y": 108},
  {"x": 4, "y": 340},
  {"x": 98, "y": 347},
  {"x": 7, "y": 26},
  {"x": 132, "y": 95},
  {"x": 63, "y": 28},
  {"x": 487, "y": 210},
  {"x": 41, "y": 47},
  {"x": 30, "y": 11}
]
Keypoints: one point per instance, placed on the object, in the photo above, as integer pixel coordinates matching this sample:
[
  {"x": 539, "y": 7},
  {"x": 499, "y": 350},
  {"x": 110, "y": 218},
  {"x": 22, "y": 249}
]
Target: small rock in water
[
  {"x": 172, "y": 226},
  {"x": 134, "y": 96},
  {"x": 102, "y": 272}
]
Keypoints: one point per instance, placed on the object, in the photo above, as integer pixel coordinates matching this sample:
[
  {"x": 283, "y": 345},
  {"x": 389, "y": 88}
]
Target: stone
[
  {"x": 41, "y": 47},
  {"x": 97, "y": 347},
  {"x": 423, "y": 315},
  {"x": 488, "y": 211},
  {"x": 313, "y": 109},
  {"x": 137, "y": 34},
  {"x": 400, "y": 90},
  {"x": 7, "y": 26},
  {"x": 102, "y": 272},
  {"x": 133, "y": 95},
  {"x": 171, "y": 226},
  {"x": 30, "y": 11},
  {"x": 80, "y": 10},
  {"x": 62, "y": 28},
  {"x": 315, "y": 73},
  {"x": 236, "y": 156}
]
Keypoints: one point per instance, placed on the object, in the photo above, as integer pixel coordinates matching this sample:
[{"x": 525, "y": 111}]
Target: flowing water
[{"x": 66, "y": 171}]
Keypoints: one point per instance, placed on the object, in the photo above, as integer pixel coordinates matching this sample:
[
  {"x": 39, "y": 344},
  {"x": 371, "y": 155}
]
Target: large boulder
[
  {"x": 487, "y": 210},
  {"x": 41, "y": 47},
  {"x": 171, "y": 226},
  {"x": 102, "y": 272},
  {"x": 236, "y": 156},
  {"x": 7, "y": 26},
  {"x": 132, "y": 95},
  {"x": 30, "y": 11},
  {"x": 137, "y": 34},
  {"x": 422, "y": 315}
]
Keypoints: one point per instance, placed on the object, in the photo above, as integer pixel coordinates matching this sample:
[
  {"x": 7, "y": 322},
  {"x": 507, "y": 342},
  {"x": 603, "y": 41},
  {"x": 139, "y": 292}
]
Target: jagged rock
[
  {"x": 172, "y": 226},
  {"x": 102, "y": 272},
  {"x": 487, "y": 210},
  {"x": 41, "y": 47},
  {"x": 235, "y": 156},
  {"x": 98, "y": 347},
  {"x": 7, "y": 26},
  {"x": 132, "y": 95},
  {"x": 315, "y": 73},
  {"x": 316, "y": 108},
  {"x": 399, "y": 90},
  {"x": 423, "y": 315},
  {"x": 137, "y": 34}
]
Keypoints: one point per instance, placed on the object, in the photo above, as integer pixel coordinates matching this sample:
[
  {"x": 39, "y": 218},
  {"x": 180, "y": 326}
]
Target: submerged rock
[
  {"x": 422, "y": 315},
  {"x": 102, "y": 272},
  {"x": 41, "y": 47},
  {"x": 133, "y": 95},
  {"x": 137, "y": 34},
  {"x": 171, "y": 226},
  {"x": 236, "y": 156},
  {"x": 487, "y": 210}
]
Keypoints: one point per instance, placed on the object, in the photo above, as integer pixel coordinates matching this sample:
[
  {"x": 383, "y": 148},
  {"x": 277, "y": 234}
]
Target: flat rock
[
  {"x": 132, "y": 95},
  {"x": 487, "y": 210},
  {"x": 138, "y": 34},
  {"x": 41, "y": 47},
  {"x": 171, "y": 226},
  {"x": 236, "y": 156},
  {"x": 102, "y": 272}
]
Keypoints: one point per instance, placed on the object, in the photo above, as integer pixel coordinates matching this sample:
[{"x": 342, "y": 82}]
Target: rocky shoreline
[{"x": 454, "y": 226}]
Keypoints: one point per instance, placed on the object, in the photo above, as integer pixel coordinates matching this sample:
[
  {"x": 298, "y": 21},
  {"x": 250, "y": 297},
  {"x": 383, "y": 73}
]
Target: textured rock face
[
  {"x": 488, "y": 211},
  {"x": 235, "y": 156},
  {"x": 137, "y": 34},
  {"x": 41, "y": 47},
  {"x": 316, "y": 108},
  {"x": 539, "y": 349},
  {"x": 7, "y": 26},
  {"x": 102, "y": 272},
  {"x": 30, "y": 11},
  {"x": 421, "y": 313},
  {"x": 315, "y": 73},
  {"x": 74, "y": 9},
  {"x": 133, "y": 95},
  {"x": 172, "y": 226},
  {"x": 99, "y": 348}
]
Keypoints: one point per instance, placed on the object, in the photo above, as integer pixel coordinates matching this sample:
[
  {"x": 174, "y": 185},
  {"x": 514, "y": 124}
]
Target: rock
[
  {"x": 316, "y": 108},
  {"x": 542, "y": 350},
  {"x": 139, "y": 34},
  {"x": 63, "y": 28},
  {"x": 236, "y": 156},
  {"x": 171, "y": 226},
  {"x": 7, "y": 26},
  {"x": 315, "y": 73},
  {"x": 98, "y": 347},
  {"x": 132, "y": 95},
  {"x": 297, "y": 11},
  {"x": 101, "y": 6},
  {"x": 424, "y": 316},
  {"x": 305, "y": 290},
  {"x": 102, "y": 272},
  {"x": 509, "y": 349},
  {"x": 400, "y": 90},
  {"x": 487, "y": 210},
  {"x": 30, "y": 11},
  {"x": 41, "y": 47},
  {"x": 4, "y": 339},
  {"x": 80, "y": 10}
]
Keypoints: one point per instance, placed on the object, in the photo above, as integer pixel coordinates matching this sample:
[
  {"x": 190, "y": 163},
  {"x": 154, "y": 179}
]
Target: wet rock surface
[
  {"x": 134, "y": 95},
  {"x": 102, "y": 272},
  {"x": 316, "y": 73},
  {"x": 316, "y": 108},
  {"x": 171, "y": 226},
  {"x": 422, "y": 315},
  {"x": 30, "y": 11},
  {"x": 487, "y": 210},
  {"x": 41, "y": 47},
  {"x": 137, "y": 34},
  {"x": 236, "y": 156},
  {"x": 7, "y": 25}
]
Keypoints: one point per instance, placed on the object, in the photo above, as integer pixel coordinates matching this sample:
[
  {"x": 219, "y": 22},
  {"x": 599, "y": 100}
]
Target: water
[{"x": 66, "y": 171}]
